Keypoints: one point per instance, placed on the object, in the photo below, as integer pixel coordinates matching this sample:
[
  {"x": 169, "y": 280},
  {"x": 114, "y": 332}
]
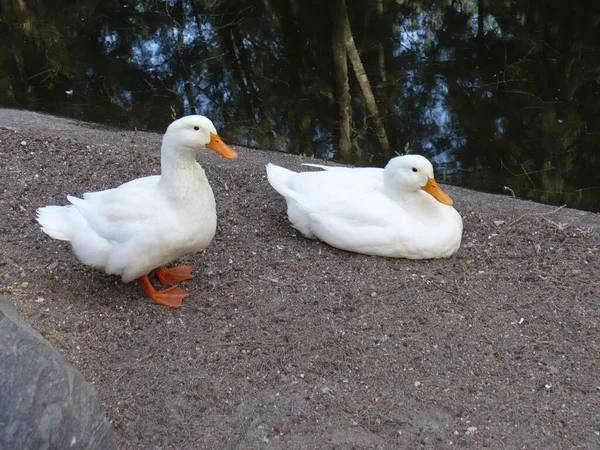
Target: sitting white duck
[
  {"x": 141, "y": 225},
  {"x": 398, "y": 212}
]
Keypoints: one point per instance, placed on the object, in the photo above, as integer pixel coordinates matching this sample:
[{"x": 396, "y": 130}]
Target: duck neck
[
  {"x": 406, "y": 198},
  {"x": 179, "y": 168},
  {"x": 393, "y": 193},
  {"x": 418, "y": 202}
]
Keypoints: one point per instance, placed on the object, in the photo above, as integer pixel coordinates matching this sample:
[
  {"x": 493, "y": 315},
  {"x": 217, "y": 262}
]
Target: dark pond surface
[{"x": 497, "y": 93}]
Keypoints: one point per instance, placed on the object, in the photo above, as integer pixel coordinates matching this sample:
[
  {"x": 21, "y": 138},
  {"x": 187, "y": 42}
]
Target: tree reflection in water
[{"x": 498, "y": 93}]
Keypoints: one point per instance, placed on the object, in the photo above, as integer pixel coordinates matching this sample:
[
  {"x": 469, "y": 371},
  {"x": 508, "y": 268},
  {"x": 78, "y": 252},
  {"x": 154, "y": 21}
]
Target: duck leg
[
  {"x": 169, "y": 277},
  {"x": 171, "y": 296}
]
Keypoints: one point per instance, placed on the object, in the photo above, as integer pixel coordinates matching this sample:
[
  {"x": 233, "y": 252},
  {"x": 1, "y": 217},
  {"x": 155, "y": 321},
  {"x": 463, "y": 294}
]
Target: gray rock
[{"x": 44, "y": 402}]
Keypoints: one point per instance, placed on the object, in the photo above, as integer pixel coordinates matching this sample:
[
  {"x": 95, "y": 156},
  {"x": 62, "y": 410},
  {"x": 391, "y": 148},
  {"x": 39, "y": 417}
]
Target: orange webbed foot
[
  {"x": 169, "y": 277},
  {"x": 171, "y": 297}
]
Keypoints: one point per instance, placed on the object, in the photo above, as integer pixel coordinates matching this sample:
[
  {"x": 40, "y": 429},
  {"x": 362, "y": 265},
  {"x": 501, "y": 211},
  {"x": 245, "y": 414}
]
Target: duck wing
[
  {"x": 364, "y": 222},
  {"x": 125, "y": 212}
]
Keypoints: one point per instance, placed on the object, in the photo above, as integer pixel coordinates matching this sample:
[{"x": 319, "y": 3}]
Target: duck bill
[
  {"x": 220, "y": 147},
  {"x": 432, "y": 188}
]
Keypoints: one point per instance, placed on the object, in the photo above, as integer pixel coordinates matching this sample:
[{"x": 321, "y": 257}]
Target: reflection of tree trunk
[
  {"x": 340, "y": 64},
  {"x": 480, "y": 36},
  {"x": 237, "y": 68},
  {"x": 389, "y": 89},
  {"x": 245, "y": 64},
  {"x": 177, "y": 17},
  {"x": 274, "y": 17},
  {"x": 380, "y": 44},
  {"x": 363, "y": 80},
  {"x": 300, "y": 111},
  {"x": 383, "y": 32},
  {"x": 187, "y": 77}
]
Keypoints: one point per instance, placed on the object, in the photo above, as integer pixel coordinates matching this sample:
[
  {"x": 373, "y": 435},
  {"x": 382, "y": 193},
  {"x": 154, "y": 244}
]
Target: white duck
[
  {"x": 398, "y": 212},
  {"x": 143, "y": 224}
]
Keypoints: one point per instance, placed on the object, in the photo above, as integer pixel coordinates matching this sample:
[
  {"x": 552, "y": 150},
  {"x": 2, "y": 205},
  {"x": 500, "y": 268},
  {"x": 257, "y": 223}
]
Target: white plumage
[
  {"x": 396, "y": 212},
  {"x": 145, "y": 223}
]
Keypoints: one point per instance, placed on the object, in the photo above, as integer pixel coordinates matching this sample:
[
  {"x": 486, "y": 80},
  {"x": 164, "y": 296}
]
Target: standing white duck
[
  {"x": 398, "y": 212},
  {"x": 143, "y": 224}
]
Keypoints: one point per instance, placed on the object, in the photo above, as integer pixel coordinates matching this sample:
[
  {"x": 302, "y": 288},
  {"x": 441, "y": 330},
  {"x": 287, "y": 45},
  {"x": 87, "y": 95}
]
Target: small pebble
[
  {"x": 470, "y": 431},
  {"x": 23, "y": 143}
]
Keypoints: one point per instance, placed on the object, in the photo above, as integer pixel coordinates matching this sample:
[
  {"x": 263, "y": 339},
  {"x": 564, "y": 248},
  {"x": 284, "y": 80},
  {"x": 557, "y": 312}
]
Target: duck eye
[
  {"x": 196, "y": 128},
  {"x": 414, "y": 169}
]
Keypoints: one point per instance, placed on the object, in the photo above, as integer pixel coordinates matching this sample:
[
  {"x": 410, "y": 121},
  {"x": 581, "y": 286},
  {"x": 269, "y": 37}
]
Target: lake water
[{"x": 497, "y": 93}]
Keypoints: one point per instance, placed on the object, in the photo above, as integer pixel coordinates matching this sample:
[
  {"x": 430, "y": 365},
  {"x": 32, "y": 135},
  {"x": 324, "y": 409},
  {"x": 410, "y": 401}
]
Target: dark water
[{"x": 498, "y": 93}]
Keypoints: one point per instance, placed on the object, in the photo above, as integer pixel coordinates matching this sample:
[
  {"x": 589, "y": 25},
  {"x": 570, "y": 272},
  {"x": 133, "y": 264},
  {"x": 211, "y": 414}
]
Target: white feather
[
  {"x": 373, "y": 211},
  {"x": 146, "y": 222}
]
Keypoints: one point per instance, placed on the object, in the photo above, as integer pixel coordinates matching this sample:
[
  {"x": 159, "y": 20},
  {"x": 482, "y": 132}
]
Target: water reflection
[{"x": 498, "y": 93}]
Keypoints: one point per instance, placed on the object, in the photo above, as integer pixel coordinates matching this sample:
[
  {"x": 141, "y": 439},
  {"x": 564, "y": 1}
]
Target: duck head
[
  {"x": 196, "y": 133},
  {"x": 411, "y": 173}
]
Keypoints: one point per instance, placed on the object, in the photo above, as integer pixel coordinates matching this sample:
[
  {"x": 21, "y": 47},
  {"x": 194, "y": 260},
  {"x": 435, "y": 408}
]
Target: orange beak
[
  {"x": 436, "y": 192},
  {"x": 220, "y": 147}
]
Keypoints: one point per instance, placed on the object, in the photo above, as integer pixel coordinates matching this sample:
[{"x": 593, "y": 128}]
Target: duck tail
[
  {"x": 279, "y": 178},
  {"x": 54, "y": 221}
]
